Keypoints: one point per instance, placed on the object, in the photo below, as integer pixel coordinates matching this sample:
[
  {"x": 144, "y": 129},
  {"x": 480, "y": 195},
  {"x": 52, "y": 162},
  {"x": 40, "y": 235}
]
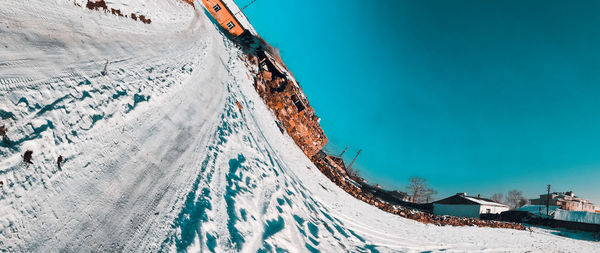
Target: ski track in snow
[{"x": 159, "y": 158}]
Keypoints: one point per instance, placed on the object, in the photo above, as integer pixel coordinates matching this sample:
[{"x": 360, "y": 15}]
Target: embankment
[{"x": 284, "y": 96}]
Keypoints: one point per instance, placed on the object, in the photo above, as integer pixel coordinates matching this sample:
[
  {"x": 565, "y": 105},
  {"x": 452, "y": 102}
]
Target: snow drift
[{"x": 158, "y": 157}]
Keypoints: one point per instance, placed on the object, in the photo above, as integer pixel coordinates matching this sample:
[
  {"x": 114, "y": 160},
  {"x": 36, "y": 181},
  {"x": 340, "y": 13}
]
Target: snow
[
  {"x": 484, "y": 202},
  {"x": 159, "y": 158}
]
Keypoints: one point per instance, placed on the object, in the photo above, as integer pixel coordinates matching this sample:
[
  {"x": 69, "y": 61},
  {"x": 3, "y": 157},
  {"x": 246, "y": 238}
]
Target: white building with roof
[{"x": 461, "y": 205}]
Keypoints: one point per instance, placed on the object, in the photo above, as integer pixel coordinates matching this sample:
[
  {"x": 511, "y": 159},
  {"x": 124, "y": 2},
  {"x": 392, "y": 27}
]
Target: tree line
[
  {"x": 514, "y": 199},
  {"x": 420, "y": 192}
]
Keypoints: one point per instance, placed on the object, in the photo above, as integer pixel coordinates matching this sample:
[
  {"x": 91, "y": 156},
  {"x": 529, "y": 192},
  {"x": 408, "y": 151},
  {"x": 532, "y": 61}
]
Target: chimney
[{"x": 478, "y": 195}]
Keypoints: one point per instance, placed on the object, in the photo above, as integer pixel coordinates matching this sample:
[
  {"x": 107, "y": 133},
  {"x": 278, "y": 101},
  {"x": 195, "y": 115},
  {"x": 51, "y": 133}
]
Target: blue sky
[{"x": 475, "y": 96}]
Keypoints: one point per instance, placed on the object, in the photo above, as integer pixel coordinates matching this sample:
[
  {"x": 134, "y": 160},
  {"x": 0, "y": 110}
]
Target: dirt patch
[
  {"x": 96, "y": 5},
  {"x": 191, "y": 2},
  {"x": 100, "y": 5}
]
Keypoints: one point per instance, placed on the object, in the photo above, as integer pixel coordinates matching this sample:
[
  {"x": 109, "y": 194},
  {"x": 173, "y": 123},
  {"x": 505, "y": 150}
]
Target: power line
[{"x": 247, "y": 5}]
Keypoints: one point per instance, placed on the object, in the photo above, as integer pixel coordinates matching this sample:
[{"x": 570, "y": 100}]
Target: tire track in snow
[{"x": 99, "y": 193}]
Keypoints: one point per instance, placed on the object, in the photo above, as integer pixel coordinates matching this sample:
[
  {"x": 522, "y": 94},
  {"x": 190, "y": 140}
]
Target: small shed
[{"x": 461, "y": 205}]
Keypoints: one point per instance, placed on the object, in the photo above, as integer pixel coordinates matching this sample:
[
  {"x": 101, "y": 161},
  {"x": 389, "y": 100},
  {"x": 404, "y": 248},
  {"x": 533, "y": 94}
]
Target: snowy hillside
[{"x": 158, "y": 157}]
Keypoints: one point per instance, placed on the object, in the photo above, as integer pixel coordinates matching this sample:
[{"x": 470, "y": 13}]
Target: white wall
[
  {"x": 457, "y": 210},
  {"x": 493, "y": 209}
]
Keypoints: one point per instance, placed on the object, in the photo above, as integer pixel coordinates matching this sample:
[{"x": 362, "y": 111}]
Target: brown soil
[
  {"x": 101, "y": 4},
  {"x": 96, "y": 5}
]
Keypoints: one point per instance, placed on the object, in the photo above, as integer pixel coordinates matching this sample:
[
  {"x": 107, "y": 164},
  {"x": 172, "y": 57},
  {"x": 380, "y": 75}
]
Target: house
[
  {"x": 566, "y": 201},
  {"x": 461, "y": 205},
  {"x": 229, "y": 16}
]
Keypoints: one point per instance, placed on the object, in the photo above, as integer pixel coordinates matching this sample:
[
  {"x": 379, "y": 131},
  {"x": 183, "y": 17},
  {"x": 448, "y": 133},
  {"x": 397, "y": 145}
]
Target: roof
[
  {"x": 463, "y": 199},
  {"x": 240, "y": 16}
]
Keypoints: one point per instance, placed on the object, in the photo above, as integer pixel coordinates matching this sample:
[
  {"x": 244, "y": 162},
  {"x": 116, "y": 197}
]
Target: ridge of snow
[{"x": 483, "y": 202}]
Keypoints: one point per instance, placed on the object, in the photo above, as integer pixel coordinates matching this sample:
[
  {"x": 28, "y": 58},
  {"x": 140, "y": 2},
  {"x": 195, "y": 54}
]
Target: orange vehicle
[{"x": 223, "y": 12}]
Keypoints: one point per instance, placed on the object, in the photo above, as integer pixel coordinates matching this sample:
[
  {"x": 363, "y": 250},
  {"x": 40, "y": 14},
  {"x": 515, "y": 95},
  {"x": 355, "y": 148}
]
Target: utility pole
[
  {"x": 353, "y": 160},
  {"x": 548, "y": 202},
  {"x": 344, "y": 151}
]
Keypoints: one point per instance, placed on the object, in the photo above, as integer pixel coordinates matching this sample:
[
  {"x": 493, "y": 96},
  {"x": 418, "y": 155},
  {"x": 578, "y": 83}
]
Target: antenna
[
  {"x": 548, "y": 201},
  {"x": 344, "y": 151}
]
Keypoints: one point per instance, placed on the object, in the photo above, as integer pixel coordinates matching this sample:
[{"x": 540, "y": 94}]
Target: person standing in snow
[
  {"x": 104, "y": 72},
  {"x": 59, "y": 161},
  {"x": 4, "y": 138},
  {"x": 27, "y": 156}
]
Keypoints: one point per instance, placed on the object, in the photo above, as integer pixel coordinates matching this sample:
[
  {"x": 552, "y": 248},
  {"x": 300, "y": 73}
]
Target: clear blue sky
[{"x": 475, "y": 96}]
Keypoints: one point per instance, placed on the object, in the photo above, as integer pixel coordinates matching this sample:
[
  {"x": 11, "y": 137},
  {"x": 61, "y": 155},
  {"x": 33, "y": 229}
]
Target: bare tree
[
  {"x": 428, "y": 196},
  {"x": 498, "y": 197},
  {"x": 523, "y": 201},
  {"x": 515, "y": 199},
  {"x": 419, "y": 190}
]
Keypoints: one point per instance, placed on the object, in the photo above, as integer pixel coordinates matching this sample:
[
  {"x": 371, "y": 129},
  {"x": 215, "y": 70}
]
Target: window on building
[
  {"x": 298, "y": 103},
  {"x": 488, "y": 210},
  {"x": 230, "y": 25},
  {"x": 217, "y": 7}
]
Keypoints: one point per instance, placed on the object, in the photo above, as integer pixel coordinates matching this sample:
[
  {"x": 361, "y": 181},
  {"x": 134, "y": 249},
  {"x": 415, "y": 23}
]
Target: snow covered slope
[{"x": 159, "y": 158}]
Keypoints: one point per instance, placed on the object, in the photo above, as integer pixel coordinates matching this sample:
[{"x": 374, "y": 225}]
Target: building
[
  {"x": 229, "y": 16},
  {"x": 566, "y": 201},
  {"x": 402, "y": 196},
  {"x": 461, "y": 205},
  {"x": 577, "y": 216}
]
